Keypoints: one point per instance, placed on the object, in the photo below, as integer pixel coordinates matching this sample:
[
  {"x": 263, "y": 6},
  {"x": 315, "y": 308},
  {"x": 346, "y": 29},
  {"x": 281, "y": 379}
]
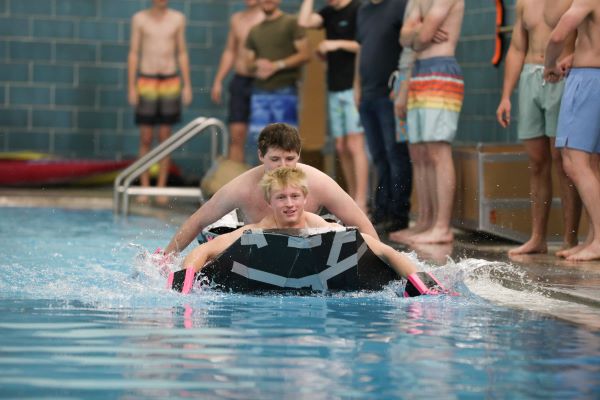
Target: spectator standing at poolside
[
  {"x": 552, "y": 13},
  {"x": 276, "y": 50},
  {"x": 578, "y": 132},
  {"x": 435, "y": 97},
  {"x": 340, "y": 47},
  {"x": 378, "y": 27},
  {"x": 157, "y": 64},
  {"x": 240, "y": 87},
  {"x": 400, "y": 80},
  {"x": 539, "y": 104}
]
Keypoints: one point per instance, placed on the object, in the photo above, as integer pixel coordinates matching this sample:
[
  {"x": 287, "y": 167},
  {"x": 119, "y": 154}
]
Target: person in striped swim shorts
[
  {"x": 435, "y": 96},
  {"x": 159, "y": 79}
]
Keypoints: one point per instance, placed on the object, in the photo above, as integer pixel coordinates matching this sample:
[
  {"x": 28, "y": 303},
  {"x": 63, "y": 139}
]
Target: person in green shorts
[{"x": 539, "y": 104}]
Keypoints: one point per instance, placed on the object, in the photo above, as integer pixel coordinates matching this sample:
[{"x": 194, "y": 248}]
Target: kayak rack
[{"x": 122, "y": 185}]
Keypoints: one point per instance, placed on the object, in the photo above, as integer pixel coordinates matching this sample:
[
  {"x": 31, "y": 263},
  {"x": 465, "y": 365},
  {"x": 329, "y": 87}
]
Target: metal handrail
[{"x": 182, "y": 136}]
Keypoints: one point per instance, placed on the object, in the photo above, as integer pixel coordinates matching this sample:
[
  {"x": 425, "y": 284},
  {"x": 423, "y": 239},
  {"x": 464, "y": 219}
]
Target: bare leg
[
  {"x": 146, "y": 136},
  {"x": 238, "y": 132},
  {"x": 164, "y": 132},
  {"x": 590, "y": 235},
  {"x": 583, "y": 169},
  {"x": 440, "y": 154},
  {"x": 346, "y": 164},
  {"x": 570, "y": 200},
  {"x": 360, "y": 167},
  {"x": 418, "y": 156},
  {"x": 540, "y": 186}
]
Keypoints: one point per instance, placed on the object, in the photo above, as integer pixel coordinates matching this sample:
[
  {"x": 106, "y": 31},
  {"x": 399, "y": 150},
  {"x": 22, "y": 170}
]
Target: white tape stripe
[
  {"x": 253, "y": 238},
  {"x": 298, "y": 242}
]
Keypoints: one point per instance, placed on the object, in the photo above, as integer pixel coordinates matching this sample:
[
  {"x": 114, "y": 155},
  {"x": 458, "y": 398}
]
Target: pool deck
[{"x": 576, "y": 284}]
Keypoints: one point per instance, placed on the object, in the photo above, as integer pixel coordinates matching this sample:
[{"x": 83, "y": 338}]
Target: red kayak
[{"x": 55, "y": 171}]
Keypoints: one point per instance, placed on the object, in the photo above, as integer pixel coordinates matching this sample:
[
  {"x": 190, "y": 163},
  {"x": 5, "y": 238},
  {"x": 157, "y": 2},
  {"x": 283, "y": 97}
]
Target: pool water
[{"x": 84, "y": 315}]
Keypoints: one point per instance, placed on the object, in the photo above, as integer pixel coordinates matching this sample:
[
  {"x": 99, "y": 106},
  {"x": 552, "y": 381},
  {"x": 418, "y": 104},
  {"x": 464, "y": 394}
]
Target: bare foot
[
  {"x": 532, "y": 246},
  {"x": 433, "y": 235},
  {"x": 569, "y": 249},
  {"x": 569, "y": 252},
  {"x": 162, "y": 200},
  {"x": 142, "y": 200},
  {"x": 404, "y": 235},
  {"x": 588, "y": 253}
]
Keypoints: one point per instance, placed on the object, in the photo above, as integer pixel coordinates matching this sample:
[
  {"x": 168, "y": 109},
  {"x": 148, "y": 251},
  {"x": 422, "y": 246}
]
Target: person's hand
[
  {"x": 132, "y": 96},
  {"x": 186, "y": 95},
  {"x": 163, "y": 261},
  {"x": 565, "y": 64},
  {"x": 400, "y": 107},
  {"x": 503, "y": 112},
  {"x": 440, "y": 36},
  {"x": 357, "y": 97},
  {"x": 326, "y": 46},
  {"x": 265, "y": 68},
  {"x": 320, "y": 56},
  {"x": 215, "y": 92},
  {"x": 552, "y": 74}
]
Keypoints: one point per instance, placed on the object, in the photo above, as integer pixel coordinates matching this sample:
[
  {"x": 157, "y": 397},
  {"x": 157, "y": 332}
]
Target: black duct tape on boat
[{"x": 294, "y": 261}]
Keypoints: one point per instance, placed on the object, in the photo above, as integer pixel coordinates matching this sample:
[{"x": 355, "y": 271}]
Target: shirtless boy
[
  {"x": 539, "y": 104},
  {"x": 285, "y": 190},
  {"x": 278, "y": 146},
  {"x": 432, "y": 29},
  {"x": 240, "y": 87},
  {"x": 578, "y": 132},
  {"x": 157, "y": 51}
]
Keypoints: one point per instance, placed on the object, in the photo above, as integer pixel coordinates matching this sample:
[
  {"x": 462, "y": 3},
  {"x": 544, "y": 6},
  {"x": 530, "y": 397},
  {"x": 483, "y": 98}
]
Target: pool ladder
[{"x": 122, "y": 186}]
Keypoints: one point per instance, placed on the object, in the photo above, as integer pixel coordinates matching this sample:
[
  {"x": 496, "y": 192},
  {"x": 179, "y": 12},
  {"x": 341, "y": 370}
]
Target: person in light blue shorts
[
  {"x": 538, "y": 108},
  {"x": 579, "y": 118},
  {"x": 339, "y": 48},
  {"x": 578, "y": 134}
]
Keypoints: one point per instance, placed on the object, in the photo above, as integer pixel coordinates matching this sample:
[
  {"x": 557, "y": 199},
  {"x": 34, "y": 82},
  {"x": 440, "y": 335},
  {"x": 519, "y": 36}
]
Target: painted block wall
[
  {"x": 63, "y": 75},
  {"x": 483, "y": 81}
]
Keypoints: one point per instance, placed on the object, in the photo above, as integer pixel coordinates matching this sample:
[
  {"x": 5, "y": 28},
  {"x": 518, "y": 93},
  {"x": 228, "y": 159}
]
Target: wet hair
[
  {"x": 281, "y": 136},
  {"x": 282, "y": 177}
]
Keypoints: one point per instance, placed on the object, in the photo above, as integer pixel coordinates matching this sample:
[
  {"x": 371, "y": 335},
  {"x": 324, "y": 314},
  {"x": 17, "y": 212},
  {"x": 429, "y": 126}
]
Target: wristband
[{"x": 280, "y": 64}]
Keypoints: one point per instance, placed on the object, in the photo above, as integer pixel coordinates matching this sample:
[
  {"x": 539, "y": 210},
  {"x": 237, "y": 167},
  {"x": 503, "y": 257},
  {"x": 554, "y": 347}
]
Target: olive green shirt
[{"x": 274, "y": 40}]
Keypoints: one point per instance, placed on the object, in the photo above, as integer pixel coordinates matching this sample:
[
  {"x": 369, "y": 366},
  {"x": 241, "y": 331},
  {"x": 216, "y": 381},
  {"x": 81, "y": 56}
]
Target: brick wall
[{"x": 63, "y": 75}]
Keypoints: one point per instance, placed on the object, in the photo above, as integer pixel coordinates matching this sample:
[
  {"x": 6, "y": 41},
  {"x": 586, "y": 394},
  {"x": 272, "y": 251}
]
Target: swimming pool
[{"x": 82, "y": 316}]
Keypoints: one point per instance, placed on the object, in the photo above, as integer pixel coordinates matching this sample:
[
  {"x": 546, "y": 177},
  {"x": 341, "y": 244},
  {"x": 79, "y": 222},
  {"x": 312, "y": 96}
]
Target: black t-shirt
[
  {"x": 378, "y": 32},
  {"x": 340, "y": 25}
]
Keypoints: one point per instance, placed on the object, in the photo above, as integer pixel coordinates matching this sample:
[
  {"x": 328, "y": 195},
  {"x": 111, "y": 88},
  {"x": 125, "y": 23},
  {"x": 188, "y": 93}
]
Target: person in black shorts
[
  {"x": 158, "y": 78},
  {"x": 240, "y": 86}
]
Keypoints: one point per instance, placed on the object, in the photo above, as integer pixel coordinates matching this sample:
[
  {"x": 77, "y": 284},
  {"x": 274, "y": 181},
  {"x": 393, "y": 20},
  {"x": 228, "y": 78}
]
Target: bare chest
[
  {"x": 533, "y": 16},
  {"x": 159, "y": 29},
  {"x": 243, "y": 25},
  {"x": 554, "y": 9}
]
